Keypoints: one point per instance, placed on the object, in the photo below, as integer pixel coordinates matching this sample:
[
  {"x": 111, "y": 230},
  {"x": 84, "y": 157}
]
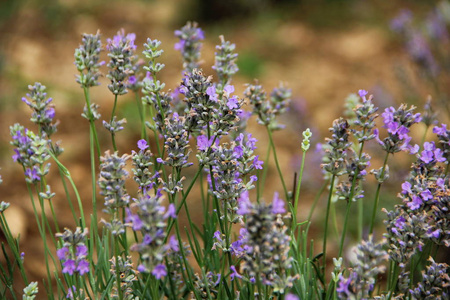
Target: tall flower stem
[
  {"x": 297, "y": 192},
  {"x": 377, "y": 195},
  {"x": 66, "y": 173},
  {"x": 113, "y": 133},
  {"x": 261, "y": 183},
  {"x": 141, "y": 110},
  {"x": 91, "y": 122},
  {"x": 327, "y": 215},
  {"x": 272, "y": 144}
]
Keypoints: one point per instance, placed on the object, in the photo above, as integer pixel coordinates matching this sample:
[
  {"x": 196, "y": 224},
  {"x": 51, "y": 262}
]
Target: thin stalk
[
  {"x": 360, "y": 218},
  {"x": 277, "y": 163},
  {"x": 66, "y": 173},
  {"x": 262, "y": 181},
  {"x": 14, "y": 245},
  {"x": 91, "y": 121},
  {"x": 299, "y": 182},
  {"x": 116, "y": 255},
  {"x": 327, "y": 215},
  {"x": 141, "y": 109},
  {"x": 316, "y": 199},
  {"x": 377, "y": 195},
  {"x": 113, "y": 133}
]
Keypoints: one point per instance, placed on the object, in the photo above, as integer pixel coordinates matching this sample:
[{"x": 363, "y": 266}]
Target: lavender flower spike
[
  {"x": 87, "y": 57},
  {"x": 189, "y": 45}
]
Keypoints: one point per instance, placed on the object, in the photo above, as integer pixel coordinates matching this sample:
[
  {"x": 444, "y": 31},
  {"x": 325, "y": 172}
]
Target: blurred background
[{"x": 322, "y": 49}]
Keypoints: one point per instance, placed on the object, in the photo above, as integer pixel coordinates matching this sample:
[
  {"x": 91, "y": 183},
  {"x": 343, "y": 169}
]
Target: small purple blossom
[
  {"x": 211, "y": 92},
  {"x": 159, "y": 271},
  {"x": 81, "y": 251},
  {"x": 442, "y": 130},
  {"x": 203, "y": 143},
  {"x": 173, "y": 244},
  {"x": 141, "y": 268},
  {"x": 415, "y": 203},
  {"x": 171, "y": 212},
  {"x": 291, "y": 297},
  {"x": 234, "y": 273},
  {"x": 62, "y": 253},
  {"x": 257, "y": 163},
  {"x": 277, "y": 205},
  {"x": 362, "y": 93},
  {"x": 244, "y": 203},
  {"x": 69, "y": 266},
  {"x": 83, "y": 267},
  {"x": 233, "y": 102},
  {"x": 228, "y": 89},
  {"x": 134, "y": 219},
  {"x": 142, "y": 144}
]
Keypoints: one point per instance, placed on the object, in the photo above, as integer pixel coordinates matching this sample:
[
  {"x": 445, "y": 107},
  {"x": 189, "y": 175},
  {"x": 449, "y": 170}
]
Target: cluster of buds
[
  {"x": 127, "y": 276},
  {"x": 190, "y": 45},
  {"x": 142, "y": 161},
  {"x": 367, "y": 265},
  {"x": 265, "y": 244},
  {"x": 225, "y": 62},
  {"x": 112, "y": 186},
  {"x": 206, "y": 288},
  {"x": 150, "y": 219},
  {"x": 87, "y": 58},
  {"x": 176, "y": 142},
  {"x": 31, "y": 151},
  {"x": 43, "y": 112},
  {"x": 268, "y": 109},
  {"x": 338, "y": 146},
  {"x": 121, "y": 51},
  {"x": 435, "y": 282}
]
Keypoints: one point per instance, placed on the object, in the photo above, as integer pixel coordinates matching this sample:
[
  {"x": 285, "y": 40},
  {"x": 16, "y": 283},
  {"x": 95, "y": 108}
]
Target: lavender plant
[{"x": 148, "y": 245}]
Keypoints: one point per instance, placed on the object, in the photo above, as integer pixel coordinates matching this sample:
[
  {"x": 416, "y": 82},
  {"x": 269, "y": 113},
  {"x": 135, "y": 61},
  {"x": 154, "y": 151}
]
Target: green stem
[
  {"x": 262, "y": 182},
  {"x": 377, "y": 195},
  {"x": 297, "y": 192},
  {"x": 91, "y": 121},
  {"x": 116, "y": 255},
  {"x": 277, "y": 163},
  {"x": 141, "y": 109},
  {"x": 66, "y": 173},
  {"x": 327, "y": 215},
  {"x": 316, "y": 199},
  {"x": 113, "y": 133}
]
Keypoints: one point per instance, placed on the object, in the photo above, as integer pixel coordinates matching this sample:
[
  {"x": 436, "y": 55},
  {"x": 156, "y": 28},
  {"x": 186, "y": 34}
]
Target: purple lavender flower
[
  {"x": 268, "y": 109},
  {"x": 443, "y": 135},
  {"x": 266, "y": 245},
  {"x": 159, "y": 271},
  {"x": 87, "y": 58},
  {"x": 397, "y": 122},
  {"x": 435, "y": 283},
  {"x": 43, "y": 112},
  {"x": 278, "y": 205},
  {"x": 141, "y": 167},
  {"x": 121, "y": 51},
  {"x": 31, "y": 151},
  {"x": 189, "y": 45},
  {"x": 234, "y": 274},
  {"x": 82, "y": 267},
  {"x": 151, "y": 217},
  {"x": 225, "y": 62},
  {"x": 142, "y": 144}
]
